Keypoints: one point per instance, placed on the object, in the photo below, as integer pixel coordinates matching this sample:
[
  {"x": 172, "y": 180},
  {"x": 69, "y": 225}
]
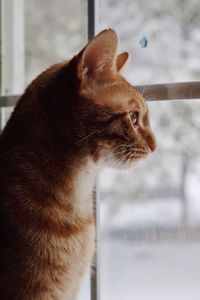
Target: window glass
[
  {"x": 54, "y": 31},
  {"x": 149, "y": 216},
  {"x": 173, "y": 31},
  {"x": 4, "y": 116}
]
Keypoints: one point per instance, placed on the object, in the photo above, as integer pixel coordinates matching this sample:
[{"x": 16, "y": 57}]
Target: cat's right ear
[{"x": 98, "y": 59}]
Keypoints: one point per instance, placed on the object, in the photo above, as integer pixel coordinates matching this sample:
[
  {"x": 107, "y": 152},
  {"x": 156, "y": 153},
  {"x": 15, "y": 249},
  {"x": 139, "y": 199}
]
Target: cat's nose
[{"x": 151, "y": 140}]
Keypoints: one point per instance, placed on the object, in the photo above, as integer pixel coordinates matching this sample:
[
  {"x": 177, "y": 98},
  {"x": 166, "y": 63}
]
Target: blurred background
[
  {"x": 149, "y": 216},
  {"x": 54, "y": 31}
]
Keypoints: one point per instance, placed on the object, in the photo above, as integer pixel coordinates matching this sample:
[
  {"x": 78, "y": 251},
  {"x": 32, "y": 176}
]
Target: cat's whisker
[
  {"x": 150, "y": 97},
  {"x": 86, "y": 137},
  {"x": 146, "y": 89},
  {"x": 112, "y": 152},
  {"x": 136, "y": 156},
  {"x": 121, "y": 145},
  {"x": 116, "y": 153},
  {"x": 126, "y": 155},
  {"x": 133, "y": 156},
  {"x": 124, "y": 159},
  {"x": 95, "y": 152},
  {"x": 143, "y": 90},
  {"x": 120, "y": 161},
  {"x": 141, "y": 149},
  {"x": 130, "y": 158},
  {"x": 140, "y": 152},
  {"x": 137, "y": 151}
]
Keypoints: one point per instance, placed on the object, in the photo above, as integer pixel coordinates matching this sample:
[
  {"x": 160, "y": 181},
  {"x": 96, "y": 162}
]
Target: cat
[{"x": 73, "y": 119}]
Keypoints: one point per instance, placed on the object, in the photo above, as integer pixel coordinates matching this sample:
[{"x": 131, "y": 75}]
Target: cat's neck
[{"x": 82, "y": 186}]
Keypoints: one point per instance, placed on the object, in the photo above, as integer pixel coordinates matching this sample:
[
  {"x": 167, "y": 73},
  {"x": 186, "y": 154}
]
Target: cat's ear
[
  {"x": 97, "y": 59},
  {"x": 121, "y": 60}
]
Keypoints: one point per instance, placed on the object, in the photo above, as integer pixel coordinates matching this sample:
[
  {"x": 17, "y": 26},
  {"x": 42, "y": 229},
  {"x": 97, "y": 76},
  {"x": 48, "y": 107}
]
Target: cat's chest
[
  {"x": 68, "y": 259},
  {"x": 83, "y": 185}
]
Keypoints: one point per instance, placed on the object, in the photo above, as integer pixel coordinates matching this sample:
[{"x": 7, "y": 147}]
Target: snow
[
  {"x": 145, "y": 215},
  {"x": 150, "y": 271}
]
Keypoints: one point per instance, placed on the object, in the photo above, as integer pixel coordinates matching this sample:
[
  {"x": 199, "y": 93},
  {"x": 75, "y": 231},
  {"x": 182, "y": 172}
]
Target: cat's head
[{"x": 113, "y": 118}]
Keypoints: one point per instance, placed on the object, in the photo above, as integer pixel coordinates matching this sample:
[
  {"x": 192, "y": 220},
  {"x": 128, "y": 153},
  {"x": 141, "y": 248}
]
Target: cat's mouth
[{"x": 125, "y": 156}]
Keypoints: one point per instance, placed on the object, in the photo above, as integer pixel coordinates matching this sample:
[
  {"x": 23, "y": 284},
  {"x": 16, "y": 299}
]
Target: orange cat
[{"x": 73, "y": 119}]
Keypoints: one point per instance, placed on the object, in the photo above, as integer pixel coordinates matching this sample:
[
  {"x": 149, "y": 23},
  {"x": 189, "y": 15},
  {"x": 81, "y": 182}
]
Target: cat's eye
[{"x": 134, "y": 117}]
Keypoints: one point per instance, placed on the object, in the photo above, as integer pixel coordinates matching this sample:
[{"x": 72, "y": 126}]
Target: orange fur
[{"x": 72, "y": 120}]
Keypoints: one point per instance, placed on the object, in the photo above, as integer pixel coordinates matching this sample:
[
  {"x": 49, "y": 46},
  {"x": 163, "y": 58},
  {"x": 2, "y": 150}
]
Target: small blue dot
[{"x": 143, "y": 41}]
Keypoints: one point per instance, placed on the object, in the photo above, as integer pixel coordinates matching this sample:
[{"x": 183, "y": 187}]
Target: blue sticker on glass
[{"x": 143, "y": 41}]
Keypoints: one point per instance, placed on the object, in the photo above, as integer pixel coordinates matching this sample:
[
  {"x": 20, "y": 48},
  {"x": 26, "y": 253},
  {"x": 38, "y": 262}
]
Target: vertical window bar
[
  {"x": 92, "y": 18},
  {"x": 11, "y": 55},
  {"x": 11, "y": 47},
  {"x": 95, "y": 269}
]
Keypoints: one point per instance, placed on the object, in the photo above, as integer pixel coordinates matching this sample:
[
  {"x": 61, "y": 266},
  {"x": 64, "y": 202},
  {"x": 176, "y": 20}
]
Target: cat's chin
[
  {"x": 127, "y": 161},
  {"x": 124, "y": 165}
]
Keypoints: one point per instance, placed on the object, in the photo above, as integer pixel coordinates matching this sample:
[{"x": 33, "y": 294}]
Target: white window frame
[{"x": 12, "y": 47}]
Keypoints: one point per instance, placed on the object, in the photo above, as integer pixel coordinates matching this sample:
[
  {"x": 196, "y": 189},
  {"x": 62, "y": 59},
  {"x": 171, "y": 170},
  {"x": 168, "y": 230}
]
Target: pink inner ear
[
  {"x": 99, "y": 55},
  {"x": 121, "y": 60}
]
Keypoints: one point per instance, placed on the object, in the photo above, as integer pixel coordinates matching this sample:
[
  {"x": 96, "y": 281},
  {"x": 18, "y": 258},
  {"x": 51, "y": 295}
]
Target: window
[
  {"x": 59, "y": 29},
  {"x": 149, "y": 216}
]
